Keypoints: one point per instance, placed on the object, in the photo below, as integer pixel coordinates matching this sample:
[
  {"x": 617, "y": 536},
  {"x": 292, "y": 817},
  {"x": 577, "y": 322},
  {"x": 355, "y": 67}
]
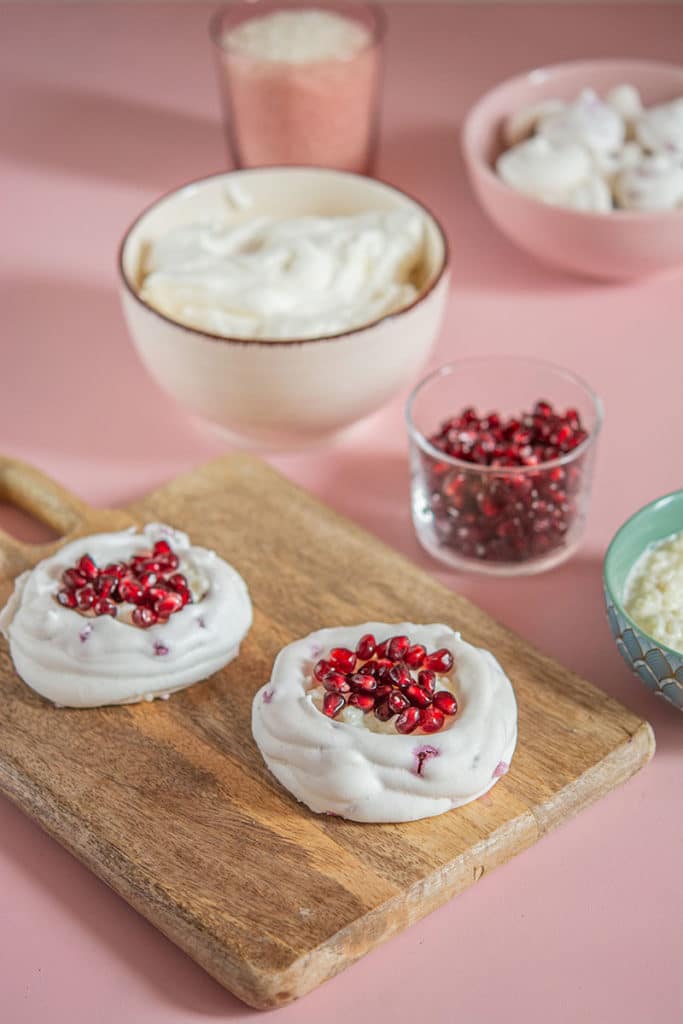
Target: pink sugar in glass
[{"x": 298, "y": 88}]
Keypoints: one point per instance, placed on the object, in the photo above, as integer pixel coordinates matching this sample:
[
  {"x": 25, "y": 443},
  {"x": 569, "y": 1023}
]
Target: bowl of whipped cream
[
  {"x": 581, "y": 164},
  {"x": 643, "y": 583},
  {"x": 284, "y": 303}
]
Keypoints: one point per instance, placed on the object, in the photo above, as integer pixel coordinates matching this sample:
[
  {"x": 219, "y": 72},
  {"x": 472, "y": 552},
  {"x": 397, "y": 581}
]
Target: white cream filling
[
  {"x": 299, "y": 37},
  {"x": 362, "y": 774},
  {"x": 654, "y": 592},
  {"x": 275, "y": 279},
  {"x": 85, "y": 661}
]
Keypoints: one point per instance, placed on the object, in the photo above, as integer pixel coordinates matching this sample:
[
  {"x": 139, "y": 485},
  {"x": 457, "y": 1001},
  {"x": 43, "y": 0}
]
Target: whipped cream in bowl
[
  {"x": 348, "y": 752},
  {"x": 117, "y": 618},
  {"x": 259, "y": 298}
]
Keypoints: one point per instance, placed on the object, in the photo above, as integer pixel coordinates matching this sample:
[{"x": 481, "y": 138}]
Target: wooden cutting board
[{"x": 171, "y": 804}]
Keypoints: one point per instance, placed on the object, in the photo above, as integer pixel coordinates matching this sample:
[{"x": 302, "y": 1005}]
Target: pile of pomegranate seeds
[
  {"x": 508, "y": 516},
  {"x": 379, "y": 677},
  {"x": 149, "y": 580}
]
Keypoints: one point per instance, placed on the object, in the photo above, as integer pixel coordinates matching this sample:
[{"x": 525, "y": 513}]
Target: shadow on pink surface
[
  {"x": 109, "y": 923},
  {"x": 108, "y": 137}
]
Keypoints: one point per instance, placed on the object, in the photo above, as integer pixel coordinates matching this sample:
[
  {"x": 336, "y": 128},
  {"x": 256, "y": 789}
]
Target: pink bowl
[{"x": 616, "y": 246}]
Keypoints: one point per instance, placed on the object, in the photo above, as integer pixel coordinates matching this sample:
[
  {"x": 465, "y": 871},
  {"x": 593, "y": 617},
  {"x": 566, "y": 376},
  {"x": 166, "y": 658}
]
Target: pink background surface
[{"x": 102, "y": 108}]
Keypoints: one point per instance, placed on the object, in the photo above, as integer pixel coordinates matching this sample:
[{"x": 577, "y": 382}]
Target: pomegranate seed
[
  {"x": 415, "y": 655},
  {"x": 144, "y": 617},
  {"x": 150, "y": 566},
  {"x": 154, "y": 594},
  {"x": 383, "y": 711},
  {"x": 185, "y": 596},
  {"x": 168, "y": 563},
  {"x": 85, "y": 597},
  {"x": 427, "y": 680},
  {"x": 73, "y": 579},
  {"x": 383, "y": 691},
  {"x": 343, "y": 659},
  {"x": 368, "y": 669},
  {"x": 398, "y": 645},
  {"x": 87, "y": 568},
  {"x": 382, "y": 649},
  {"x": 398, "y": 702},
  {"x": 335, "y": 682},
  {"x": 103, "y": 606},
  {"x": 321, "y": 669},
  {"x": 130, "y": 590},
  {"x": 362, "y": 683},
  {"x": 431, "y": 719},
  {"x": 365, "y": 648},
  {"x": 399, "y": 676},
  {"x": 417, "y": 696},
  {"x": 162, "y": 547},
  {"x": 168, "y": 604},
  {"x": 332, "y": 704},
  {"x": 445, "y": 701},
  {"x": 115, "y": 569},
  {"x": 148, "y": 579},
  {"x": 178, "y": 582},
  {"x": 105, "y": 585},
  {"x": 67, "y": 598},
  {"x": 382, "y": 669},
  {"x": 408, "y": 720},
  {"x": 543, "y": 409},
  {"x": 439, "y": 661},
  {"x": 364, "y": 701}
]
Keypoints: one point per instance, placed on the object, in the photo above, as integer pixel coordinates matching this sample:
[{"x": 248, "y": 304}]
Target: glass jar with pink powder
[{"x": 299, "y": 83}]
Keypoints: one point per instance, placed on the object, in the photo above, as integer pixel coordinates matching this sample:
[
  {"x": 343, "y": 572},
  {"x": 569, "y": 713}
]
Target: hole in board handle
[{"x": 24, "y": 527}]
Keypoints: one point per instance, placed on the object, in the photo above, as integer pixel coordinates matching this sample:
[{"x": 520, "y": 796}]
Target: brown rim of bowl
[
  {"x": 376, "y": 37},
  {"x": 474, "y": 159},
  {"x": 282, "y": 341}
]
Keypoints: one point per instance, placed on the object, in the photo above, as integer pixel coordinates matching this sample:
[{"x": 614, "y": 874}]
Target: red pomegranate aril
[
  {"x": 399, "y": 676},
  {"x": 73, "y": 579},
  {"x": 398, "y": 702},
  {"x": 362, "y": 683},
  {"x": 130, "y": 590},
  {"x": 439, "y": 661},
  {"x": 332, "y": 704},
  {"x": 364, "y": 701},
  {"x": 148, "y": 579},
  {"x": 178, "y": 581},
  {"x": 408, "y": 720},
  {"x": 168, "y": 563},
  {"x": 427, "y": 680},
  {"x": 85, "y": 597},
  {"x": 103, "y": 606},
  {"x": 383, "y": 711},
  {"x": 105, "y": 585},
  {"x": 144, "y": 617},
  {"x": 382, "y": 669},
  {"x": 397, "y": 648},
  {"x": 382, "y": 650},
  {"x": 418, "y": 696},
  {"x": 366, "y": 646},
  {"x": 431, "y": 719},
  {"x": 87, "y": 568},
  {"x": 66, "y": 598},
  {"x": 445, "y": 701},
  {"x": 115, "y": 569},
  {"x": 162, "y": 547},
  {"x": 336, "y": 682},
  {"x": 383, "y": 690},
  {"x": 150, "y": 566},
  {"x": 321, "y": 669},
  {"x": 415, "y": 655},
  {"x": 343, "y": 659},
  {"x": 168, "y": 604}
]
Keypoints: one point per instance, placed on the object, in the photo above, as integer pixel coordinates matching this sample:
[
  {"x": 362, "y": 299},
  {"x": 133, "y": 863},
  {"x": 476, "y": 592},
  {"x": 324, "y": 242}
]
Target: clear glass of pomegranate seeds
[{"x": 502, "y": 452}]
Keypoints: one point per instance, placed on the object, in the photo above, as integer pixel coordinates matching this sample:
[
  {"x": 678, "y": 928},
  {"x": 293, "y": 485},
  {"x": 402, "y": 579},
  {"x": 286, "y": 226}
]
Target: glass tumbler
[
  {"x": 504, "y": 519},
  {"x": 292, "y": 91}
]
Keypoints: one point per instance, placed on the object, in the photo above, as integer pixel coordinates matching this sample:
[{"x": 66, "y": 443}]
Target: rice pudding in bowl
[
  {"x": 643, "y": 588},
  {"x": 279, "y": 390}
]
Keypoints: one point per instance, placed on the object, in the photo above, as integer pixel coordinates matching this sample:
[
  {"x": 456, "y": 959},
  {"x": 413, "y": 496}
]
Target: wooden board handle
[{"x": 27, "y": 488}]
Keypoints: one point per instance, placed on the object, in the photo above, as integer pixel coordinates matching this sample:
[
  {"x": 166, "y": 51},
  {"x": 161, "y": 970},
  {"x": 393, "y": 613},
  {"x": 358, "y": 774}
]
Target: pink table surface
[{"x": 105, "y": 106}]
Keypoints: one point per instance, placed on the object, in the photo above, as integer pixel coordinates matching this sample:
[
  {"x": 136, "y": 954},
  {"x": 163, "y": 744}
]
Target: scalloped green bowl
[{"x": 655, "y": 664}]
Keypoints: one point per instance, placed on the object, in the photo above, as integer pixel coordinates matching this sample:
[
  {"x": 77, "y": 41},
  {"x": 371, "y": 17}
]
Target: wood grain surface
[{"x": 171, "y": 804}]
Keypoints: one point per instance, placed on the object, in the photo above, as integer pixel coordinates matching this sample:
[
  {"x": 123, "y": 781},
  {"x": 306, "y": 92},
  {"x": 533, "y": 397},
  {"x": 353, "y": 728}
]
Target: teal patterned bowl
[{"x": 658, "y": 666}]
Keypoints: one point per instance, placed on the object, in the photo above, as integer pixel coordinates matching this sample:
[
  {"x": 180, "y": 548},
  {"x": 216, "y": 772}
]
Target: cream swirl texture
[
  {"x": 343, "y": 768},
  {"x": 80, "y": 661}
]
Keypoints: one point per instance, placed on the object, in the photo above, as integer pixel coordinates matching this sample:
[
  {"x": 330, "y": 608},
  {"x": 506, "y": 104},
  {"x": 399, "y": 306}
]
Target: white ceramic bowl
[
  {"x": 283, "y": 393},
  {"x": 620, "y": 245}
]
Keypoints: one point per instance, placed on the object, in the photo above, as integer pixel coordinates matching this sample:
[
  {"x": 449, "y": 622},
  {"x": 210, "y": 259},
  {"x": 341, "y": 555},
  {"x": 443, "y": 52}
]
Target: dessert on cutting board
[
  {"x": 386, "y": 723},
  {"x": 597, "y": 155},
  {"x": 116, "y": 618}
]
